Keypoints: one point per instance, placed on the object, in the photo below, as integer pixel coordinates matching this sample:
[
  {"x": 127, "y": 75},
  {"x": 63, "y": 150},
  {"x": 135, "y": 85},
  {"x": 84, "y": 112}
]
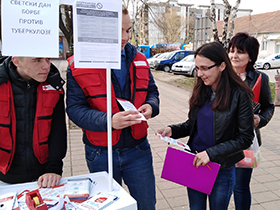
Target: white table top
[{"x": 125, "y": 201}]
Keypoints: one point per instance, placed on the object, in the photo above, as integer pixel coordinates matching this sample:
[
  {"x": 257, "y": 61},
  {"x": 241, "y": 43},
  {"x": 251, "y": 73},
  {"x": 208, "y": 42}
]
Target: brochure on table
[{"x": 100, "y": 179}]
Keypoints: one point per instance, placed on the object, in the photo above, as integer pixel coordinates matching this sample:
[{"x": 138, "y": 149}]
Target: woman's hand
[
  {"x": 256, "y": 120},
  {"x": 165, "y": 131},
  {"x": 201, "y": 158}
]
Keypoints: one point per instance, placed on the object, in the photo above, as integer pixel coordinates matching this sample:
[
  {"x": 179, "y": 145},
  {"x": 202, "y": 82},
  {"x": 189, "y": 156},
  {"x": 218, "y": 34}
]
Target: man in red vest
[
  {"x": 32, "y": 121},
  {"x": 86, "y": 106}
]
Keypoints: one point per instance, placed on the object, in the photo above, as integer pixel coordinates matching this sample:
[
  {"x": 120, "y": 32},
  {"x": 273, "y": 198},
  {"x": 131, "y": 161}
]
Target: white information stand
[
  {"x": 125, "y": 201},
  {"x": 98, "y": 45}
]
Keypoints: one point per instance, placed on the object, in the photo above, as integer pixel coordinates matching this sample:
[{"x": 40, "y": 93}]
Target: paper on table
[
  {"x": 7, "y": 201},
  {"x": 178, "y": 167},
  {"x": 127, "y": 105},
  {"x": 99, "y": 201}
]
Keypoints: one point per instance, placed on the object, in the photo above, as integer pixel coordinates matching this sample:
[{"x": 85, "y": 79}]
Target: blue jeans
[
  {"x": 242, "y": 194},
  {"x": 220, "y": 195},
  {"x": 134, "y": 166}
]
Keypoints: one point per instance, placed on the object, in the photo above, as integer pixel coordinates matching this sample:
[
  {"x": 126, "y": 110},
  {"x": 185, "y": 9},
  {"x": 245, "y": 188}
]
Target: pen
[
  {"x": 206, "y": 164},
  {"x": 208, "y": 167}
]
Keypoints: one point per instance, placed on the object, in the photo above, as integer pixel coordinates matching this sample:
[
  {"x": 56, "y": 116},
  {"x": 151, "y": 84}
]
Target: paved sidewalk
[{"x": 265, "y": 183}]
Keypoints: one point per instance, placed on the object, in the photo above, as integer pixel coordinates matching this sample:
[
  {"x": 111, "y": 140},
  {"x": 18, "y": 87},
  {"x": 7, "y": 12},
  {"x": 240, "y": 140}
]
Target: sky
[{"x": 258, "y": 6}]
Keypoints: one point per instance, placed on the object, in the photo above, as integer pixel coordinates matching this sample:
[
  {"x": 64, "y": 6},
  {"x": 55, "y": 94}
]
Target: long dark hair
[
  {"x": 228, "y": 80},
  {"x": 242, "y": 41}
]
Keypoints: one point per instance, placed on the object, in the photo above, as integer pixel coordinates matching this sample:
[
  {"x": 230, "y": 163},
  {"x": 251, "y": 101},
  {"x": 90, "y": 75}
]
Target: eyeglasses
[{"x": 203, "y": 68}]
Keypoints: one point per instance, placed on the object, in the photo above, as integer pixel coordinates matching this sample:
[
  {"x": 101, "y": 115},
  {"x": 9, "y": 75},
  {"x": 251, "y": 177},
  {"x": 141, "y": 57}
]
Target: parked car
[
  {"x": 185, "y": 66},
  {"x": 152, "y": 59},
  {"x": 158, "y": 59},
  {"x": 268, "y": 62},
  {"x": 174, "y": 56}
]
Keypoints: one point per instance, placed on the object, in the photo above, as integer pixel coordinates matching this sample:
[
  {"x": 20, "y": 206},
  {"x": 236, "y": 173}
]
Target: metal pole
[{"x": 109, "y": 127}]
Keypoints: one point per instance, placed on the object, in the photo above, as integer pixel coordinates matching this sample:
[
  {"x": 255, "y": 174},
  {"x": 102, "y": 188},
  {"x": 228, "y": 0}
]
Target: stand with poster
[{"x": 99, "y": 46}]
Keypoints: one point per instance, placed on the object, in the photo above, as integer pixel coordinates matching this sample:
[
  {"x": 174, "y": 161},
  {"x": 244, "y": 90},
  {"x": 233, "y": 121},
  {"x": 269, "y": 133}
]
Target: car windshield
[
  {"x": 189, "y": 58},
  {"x": 269, "y": 57},
  {"x": 164, "y": 55},
  {"x": 157, "y": 55},
  {"x": 170, "y": 55}
]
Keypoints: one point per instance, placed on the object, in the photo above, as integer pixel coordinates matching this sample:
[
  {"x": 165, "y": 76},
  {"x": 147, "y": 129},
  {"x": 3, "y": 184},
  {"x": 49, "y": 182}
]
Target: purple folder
[{"x": 178, "y": 167}]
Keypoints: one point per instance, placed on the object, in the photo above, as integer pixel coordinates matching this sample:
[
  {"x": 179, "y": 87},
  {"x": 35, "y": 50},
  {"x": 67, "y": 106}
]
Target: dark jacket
[
  {"x": 81, "y": 114},
  {"x": 267, "y": 105},
  {"x": 233, "y": 130},
  {"x": 25, "y": 166}
]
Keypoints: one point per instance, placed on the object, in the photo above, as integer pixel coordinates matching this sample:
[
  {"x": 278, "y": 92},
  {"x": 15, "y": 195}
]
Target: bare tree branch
[
  {"x": 213, "y": 20},
  {"x": 225, "y": 26},
  {"x": 232, "y": 21},
  {"x": 66, "y": 24}
]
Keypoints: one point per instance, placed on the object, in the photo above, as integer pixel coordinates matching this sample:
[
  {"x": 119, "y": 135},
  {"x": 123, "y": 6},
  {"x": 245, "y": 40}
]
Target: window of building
[
  {"x": 278, "y": 48},
  {"x": 264, "y": 45}
]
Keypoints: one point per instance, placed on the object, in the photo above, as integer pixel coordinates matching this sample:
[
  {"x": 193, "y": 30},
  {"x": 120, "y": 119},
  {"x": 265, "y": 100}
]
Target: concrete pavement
[{"x": 265, "y": 184}]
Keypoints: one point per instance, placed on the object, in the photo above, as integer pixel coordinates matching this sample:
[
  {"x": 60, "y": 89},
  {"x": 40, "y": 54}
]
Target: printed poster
[{"x": 30, "y": 28}]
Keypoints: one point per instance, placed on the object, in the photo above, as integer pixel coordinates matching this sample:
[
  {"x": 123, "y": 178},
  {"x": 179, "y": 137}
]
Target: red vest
[
  {"x": 47, "y": 98},
  {"x": 93, "y": 84}
]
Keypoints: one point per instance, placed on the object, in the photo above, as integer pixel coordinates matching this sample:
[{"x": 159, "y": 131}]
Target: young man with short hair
[{"x": 32, "y": 121}]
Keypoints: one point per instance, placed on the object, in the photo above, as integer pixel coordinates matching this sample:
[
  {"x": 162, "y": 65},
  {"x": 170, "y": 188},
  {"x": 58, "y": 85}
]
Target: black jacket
[
  {"x": 233, "y": 130},
  {"x": 267, "y": 105},
  {"x": 25, "y": 166}
]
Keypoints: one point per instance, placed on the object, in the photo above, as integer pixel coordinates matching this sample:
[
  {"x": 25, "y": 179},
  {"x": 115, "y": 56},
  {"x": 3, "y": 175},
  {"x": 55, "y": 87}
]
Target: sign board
[
  {"x": 69, "y": 2},
  {"x": 97, "y": 34},
  {"x": 30, "y": 28}
]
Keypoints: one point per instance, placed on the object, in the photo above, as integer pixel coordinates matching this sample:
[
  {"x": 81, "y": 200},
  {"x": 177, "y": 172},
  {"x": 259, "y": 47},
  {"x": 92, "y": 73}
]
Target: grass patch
[{"x": 272, "y": 88}]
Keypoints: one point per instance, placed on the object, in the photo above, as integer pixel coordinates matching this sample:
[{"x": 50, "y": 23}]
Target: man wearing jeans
[{"x": 86, "y": 106}]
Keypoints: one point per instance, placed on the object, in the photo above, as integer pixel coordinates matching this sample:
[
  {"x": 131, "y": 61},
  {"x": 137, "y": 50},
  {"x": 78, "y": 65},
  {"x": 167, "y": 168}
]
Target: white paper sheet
[
  {"x": 127, "y": 105},
  {"x": 97, "y": 34},
  {"x": 69, "y": 2},
  {"x": 30, "y": 28}
]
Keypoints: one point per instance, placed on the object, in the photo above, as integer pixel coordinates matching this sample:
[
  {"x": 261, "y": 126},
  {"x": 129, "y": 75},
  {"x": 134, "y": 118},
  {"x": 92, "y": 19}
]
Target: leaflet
[
  {"x": 127, "y": 105},
  {"x": 99, "y": 201},
  {"x": 174, "y": 142},
  {"x": 7, "y": 201},
  {"x": 78, "y": 189}
]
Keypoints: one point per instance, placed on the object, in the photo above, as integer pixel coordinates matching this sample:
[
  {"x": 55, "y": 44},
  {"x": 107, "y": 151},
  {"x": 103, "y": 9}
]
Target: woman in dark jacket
[
  {"x": 243, "y": 52},
  {"x": 220, "y": 123}
]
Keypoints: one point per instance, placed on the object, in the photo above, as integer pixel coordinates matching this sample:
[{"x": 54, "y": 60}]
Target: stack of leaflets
[
  {"x": 51, "y": 195},
  {"x": 98, "y": 202},
  {"x": 78, "y": 190},
  {"x": 75, "y": 194},
  {"x": 20, "y": 201}
]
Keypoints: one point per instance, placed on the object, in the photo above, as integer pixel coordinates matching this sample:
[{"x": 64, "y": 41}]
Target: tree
[
  {"x": 169, "y": 23},
  {"x": 229, "y": 19},
  {"x": 138, "y": 14},
  {"x": 66, "y": 24}
]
